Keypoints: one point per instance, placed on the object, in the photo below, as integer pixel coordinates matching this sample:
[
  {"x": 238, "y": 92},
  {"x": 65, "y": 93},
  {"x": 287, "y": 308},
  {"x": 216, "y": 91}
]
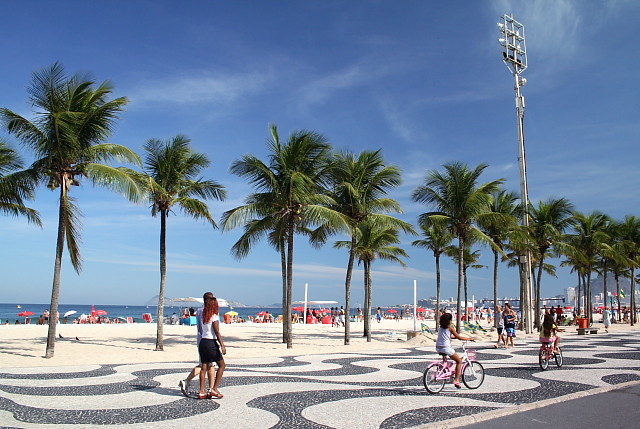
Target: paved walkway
[{"x": 357, "y": 390}]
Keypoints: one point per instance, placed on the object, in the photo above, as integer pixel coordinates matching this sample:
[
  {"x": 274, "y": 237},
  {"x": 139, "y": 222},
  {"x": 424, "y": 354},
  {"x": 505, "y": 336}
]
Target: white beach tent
[{"x": 221, "y": 302}]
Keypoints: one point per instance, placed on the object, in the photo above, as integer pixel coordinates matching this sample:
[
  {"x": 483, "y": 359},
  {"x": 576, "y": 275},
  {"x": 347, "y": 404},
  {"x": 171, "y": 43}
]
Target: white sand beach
[{"x": 24, "y": 345}]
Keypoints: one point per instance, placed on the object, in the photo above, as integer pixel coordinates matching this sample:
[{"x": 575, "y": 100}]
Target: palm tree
[
  {"x": 503, "y": 202},
  {"x": 172, "y": 178},
  {"x": 16, "y": 186},
  {"x": 630, "y": 234},
  {"x": 437, "y": 238},
  {"x": 548, "y": 221},
  {"x": 590, "y": 238},
  {"x": 291, "y": 197},
  {"x": 359, "y": 187},
  {"x": 470, "y": 260},
  {"x": 374, "y": 241},
  {"x": 460, "y": 202},
  {"x": 73, "y": 118}
]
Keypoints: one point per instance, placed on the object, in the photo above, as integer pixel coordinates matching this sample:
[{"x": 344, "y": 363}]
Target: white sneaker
[{"x": 183, "y": 388}]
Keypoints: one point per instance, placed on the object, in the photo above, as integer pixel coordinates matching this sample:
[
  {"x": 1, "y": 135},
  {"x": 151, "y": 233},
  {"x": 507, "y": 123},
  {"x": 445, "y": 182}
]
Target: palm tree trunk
[
  {"x": 578, "y": 294},
  {"x": 55, "y": 290},
  {"x": 283, "y": 265},
  {"x": 588, "y": 305},
  {"x": 163, "y": 281},
  {"x": 287, "y": 310},
  {"x": 605, "y": 294},
  {"x": 495, "y": 286},
  {"x": 368, "y": 298},
  {"x": 466, "y": 295},
  {"x": 632, "y": 300},
  {"x": 460, "y": 277},
  {"x": 437, "y": 255},
  {"x": 347, "y": 290},
  {"x": 537, "y": 318},
  {"x": 617, "y": 277}
]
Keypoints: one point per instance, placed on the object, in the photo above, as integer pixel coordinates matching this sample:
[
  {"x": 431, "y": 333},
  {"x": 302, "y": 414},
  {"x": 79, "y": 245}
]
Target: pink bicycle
[
  {"x": 440, "y": 372},
  {"x": 546, "y": 354}
]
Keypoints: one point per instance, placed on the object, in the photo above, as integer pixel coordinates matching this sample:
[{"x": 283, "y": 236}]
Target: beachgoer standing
[
  {"x": 499, "y": 322},
  {"x": 510, "y": 319},
  {"x": 209, "y": 349},
  {"x": 606, "y": 318}
]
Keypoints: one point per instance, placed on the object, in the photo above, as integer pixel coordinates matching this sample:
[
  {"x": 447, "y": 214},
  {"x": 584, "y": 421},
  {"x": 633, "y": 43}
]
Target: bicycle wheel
[
  {"x": 543, "y": 359},
  {"x": 473, "y": 375},
  {"x": 429, "y": 379},
  {"x": 559, "y": 358}
]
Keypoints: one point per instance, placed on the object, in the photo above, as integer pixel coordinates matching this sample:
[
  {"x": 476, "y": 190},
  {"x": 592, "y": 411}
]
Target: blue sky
[{"x": 422, "y": 80}]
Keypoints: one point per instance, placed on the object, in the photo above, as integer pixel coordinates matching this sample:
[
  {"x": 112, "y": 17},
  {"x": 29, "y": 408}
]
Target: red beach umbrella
[
  {"x": 420, "y": 309},
  {"x": 25, "y": 313},
  {"x": 392, "y": 311},
  {"x": 262, "y": 313},
  {"x": 298, "y": 308},
  {"x": 99, "y": 313}
]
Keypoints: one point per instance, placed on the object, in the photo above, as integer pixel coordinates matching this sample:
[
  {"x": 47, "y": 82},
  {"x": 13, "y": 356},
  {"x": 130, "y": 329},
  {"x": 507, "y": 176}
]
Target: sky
[{"x": 422, "y": 80}]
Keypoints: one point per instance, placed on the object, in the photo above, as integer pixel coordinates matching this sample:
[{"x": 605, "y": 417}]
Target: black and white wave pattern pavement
[{"x": 381, "y": 389}]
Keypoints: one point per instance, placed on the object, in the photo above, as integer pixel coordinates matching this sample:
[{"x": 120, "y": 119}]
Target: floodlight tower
[{"x": 514, "y": 55}]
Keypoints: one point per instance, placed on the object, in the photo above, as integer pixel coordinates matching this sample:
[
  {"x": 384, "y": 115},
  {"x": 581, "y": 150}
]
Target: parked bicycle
[
  {"x": 547, "y": 353},
  {"x": 440, "y": 372}
]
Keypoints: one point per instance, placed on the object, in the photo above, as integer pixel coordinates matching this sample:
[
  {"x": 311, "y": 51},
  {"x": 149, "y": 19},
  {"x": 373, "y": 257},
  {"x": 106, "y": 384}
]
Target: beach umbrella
[
  {"x": 392, "y": 311},
  {"x": 99, "y": 313},
  {"x": 262, "y": 313},
  {"x": 232, "y": 313},
  {"x": 93, "y": 310},
  {"x": 298, "y": 308},
  {"x": 420, "y": 309},
  {"x": 25, "y": 313},
  {"x": 69, "y": 313}
]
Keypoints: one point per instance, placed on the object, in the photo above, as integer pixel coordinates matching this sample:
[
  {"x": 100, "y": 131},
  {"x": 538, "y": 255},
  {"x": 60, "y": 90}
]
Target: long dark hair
[
  {"x": 445, "y": 320},
  {"x": 547, "y": 325},
  {"x": 210, "y": 306}
]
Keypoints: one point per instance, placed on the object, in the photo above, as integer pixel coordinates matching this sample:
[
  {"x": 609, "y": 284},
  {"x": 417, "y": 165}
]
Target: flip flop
[
  {"x": 215, "y": 395},
  {"x": 204, "y": 396},
  {"x": 458, "y": 385}
]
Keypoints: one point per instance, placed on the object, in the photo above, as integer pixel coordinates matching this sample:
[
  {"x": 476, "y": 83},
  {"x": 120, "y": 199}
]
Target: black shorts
[
  {"x": 209, "y": 351},
  {"x": 500, "y": 330}
]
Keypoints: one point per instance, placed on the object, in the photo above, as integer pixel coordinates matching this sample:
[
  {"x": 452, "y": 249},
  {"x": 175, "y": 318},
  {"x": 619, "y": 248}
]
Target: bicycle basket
[{"x": 471, "y": 354}]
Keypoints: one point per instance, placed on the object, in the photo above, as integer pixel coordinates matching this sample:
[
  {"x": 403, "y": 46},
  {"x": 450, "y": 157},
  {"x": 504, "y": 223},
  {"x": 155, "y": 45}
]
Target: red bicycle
[{"x": 547, "y": 353}]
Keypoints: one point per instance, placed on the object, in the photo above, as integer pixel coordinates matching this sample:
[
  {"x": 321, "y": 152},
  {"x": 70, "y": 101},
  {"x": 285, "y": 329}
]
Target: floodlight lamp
[
  {"x": 523, "y": 81},
  {"x": 503, "y": 42},
  {"x": 501, "y": 26}
]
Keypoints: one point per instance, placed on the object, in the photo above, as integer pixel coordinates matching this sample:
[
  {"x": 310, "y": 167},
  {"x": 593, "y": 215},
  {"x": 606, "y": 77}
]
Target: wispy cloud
[{"x": 199, "y": 88}]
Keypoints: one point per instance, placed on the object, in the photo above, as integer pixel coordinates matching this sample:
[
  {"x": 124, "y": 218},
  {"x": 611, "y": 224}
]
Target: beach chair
[
  {"x": 129, "y": 319},
  {"x": 425, "y": 328},
  {"x": 147, "y": 317},
  {"x": 480, "y": 328}
]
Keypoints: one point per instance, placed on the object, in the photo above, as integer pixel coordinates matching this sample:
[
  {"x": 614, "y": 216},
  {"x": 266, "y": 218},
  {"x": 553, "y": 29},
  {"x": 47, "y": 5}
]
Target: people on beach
[
  {"x": 499, "y": 322},
  {"x": 549, "y": 330},
  {"x": 606, "y": 319},
  {"x": 211, "y": 347},
  {"x": 510, "y": 320},
  {"x": 443, "y": 345}
]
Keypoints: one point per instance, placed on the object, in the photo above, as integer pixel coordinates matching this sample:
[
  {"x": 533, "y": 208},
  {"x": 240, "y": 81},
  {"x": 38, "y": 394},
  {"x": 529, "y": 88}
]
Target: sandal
[
  {"x": 458, "y": 385},
  {"x": 215, "y": 395},
  {"x": 204, "y": 396}
]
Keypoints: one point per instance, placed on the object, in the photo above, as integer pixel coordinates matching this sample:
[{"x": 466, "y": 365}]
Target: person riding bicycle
[
  {"x": 443, "y": 345},
  {"x": 548, "y": 332}
]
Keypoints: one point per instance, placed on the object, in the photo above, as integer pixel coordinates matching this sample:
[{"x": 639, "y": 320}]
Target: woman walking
[{"x": 208, "y": 332}]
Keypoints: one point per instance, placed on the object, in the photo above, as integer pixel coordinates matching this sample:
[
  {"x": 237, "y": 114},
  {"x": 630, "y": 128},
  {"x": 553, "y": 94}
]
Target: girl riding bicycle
[
  {"x": 548, "y": 332},
  {"x": 443, "y": 345}
]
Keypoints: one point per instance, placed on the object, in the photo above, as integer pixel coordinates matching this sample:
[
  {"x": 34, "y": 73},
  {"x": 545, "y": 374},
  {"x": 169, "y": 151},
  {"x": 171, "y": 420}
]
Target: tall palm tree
[
  {"x": 630, "y": 234},
  {"x": 471, "y": 259},
  {"x": 437, "y": 238},
  {"x": 291, "y": 197},
  {"x": 16, "y": 186},
  {"x": 589, "y": 236},
  {"x": 374, "y": 241},
  {"x": 360, "y": 185},
  {"x": 172, "y": 179},
  {"x": 460, "y": 202},
  {"x": 548, "y": 221},
  {"x": 73, "y": 117},
  {"x": 503, "y": 202}
]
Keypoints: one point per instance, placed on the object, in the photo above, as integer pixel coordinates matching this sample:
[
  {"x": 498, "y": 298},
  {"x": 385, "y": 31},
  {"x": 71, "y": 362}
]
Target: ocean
[{"x": 10, "y": 311}]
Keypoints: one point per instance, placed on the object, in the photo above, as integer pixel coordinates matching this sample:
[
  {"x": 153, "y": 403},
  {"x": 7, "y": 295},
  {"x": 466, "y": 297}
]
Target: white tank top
[{"x": 444, "y": 337}]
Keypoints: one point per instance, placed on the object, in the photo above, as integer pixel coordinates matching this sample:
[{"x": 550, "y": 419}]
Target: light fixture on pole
[{"x": 514, "y": 55}]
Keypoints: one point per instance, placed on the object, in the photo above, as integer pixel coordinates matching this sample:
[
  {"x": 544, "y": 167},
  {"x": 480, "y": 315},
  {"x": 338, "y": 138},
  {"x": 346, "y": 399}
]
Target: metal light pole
[{"x": 514, "y": 55}]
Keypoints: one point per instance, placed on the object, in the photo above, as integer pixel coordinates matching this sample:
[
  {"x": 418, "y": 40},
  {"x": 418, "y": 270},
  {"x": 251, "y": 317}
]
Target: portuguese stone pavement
[{"x": 380, "y": 389}]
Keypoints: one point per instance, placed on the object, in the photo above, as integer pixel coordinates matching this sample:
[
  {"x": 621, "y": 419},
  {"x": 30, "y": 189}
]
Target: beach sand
[{"x": 24, "y": 345}]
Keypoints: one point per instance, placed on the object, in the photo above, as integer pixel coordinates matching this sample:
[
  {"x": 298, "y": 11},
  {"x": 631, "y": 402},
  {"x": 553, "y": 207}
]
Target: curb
[{"x": 494, "y": 414}]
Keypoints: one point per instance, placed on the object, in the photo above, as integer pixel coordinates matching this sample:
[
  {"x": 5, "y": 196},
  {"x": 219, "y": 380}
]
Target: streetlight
[{"x": 514, "y": 55}]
